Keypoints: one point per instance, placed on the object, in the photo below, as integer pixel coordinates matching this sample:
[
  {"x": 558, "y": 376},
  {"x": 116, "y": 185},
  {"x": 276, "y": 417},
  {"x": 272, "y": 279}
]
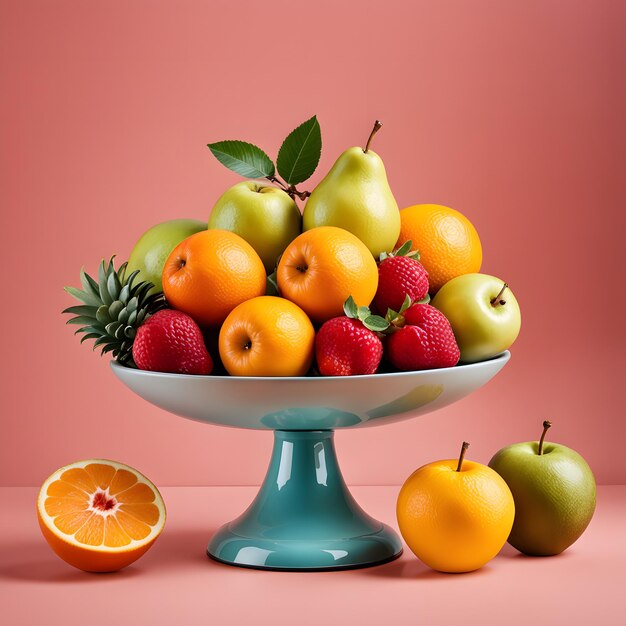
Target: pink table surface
[{"x": 176, "y": 584}]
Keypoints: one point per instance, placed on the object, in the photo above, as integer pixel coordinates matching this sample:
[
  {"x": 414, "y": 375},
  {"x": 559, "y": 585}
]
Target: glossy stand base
[{"x": 304, "y": 517}]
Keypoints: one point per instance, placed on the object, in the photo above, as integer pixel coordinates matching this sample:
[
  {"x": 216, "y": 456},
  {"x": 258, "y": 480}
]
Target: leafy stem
[
  {"x": 298, "y": 158},
  {"x": 290, "y": 189}
]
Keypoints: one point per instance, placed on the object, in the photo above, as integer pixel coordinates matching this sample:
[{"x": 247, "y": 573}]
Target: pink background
[{"x": 511, "y": 112}]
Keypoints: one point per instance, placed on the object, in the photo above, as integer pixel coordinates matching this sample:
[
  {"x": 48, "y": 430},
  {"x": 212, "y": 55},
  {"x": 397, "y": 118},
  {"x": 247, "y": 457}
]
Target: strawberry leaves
[
  {"x": 403, "y": 250},
  {"x": 375, "y": 323}
]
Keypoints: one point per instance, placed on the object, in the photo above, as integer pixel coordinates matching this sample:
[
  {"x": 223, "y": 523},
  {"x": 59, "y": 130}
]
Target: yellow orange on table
[
  {"x": 455, "y": 521},
  {"x": 208, "y": 274},
  {"x": 99, "y": 515},
  {"x": 447, "y": 241},
  {"x": 267, "y": 336},
  {"x": 322, "y": 267}
]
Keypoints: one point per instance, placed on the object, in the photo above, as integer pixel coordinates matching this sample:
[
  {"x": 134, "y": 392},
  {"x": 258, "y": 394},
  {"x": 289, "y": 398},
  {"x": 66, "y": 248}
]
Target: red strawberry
[
  {"x": 425, "y": 342},
  {"x": 400, "y": 275},
  {"x": 344, "y": 347},
  {"x": 170, "y": 341}
]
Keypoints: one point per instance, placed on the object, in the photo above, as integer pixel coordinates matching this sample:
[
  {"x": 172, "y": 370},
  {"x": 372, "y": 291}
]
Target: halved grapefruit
[{"x": 99, "y": 515}]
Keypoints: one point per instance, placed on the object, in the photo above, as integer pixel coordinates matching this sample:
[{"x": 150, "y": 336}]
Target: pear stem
[
  {"x": 464, "y": 448},
  {"x": 377, "y": 127},
  {"x": 496, "y": 301},
  {"x": 546, "y": 425}
]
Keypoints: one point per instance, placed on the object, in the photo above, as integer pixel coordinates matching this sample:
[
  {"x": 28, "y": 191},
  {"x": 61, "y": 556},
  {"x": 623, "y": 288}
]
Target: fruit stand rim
[{"x": 506, "y": 355}]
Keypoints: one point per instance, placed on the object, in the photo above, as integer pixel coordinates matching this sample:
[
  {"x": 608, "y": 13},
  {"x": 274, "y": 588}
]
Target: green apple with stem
[
  {"x": 554, "y": 492},
  {"x": 264, "y": 215},
  {"x": 483, "y": 312},
  {"x": 154, "y": 246}
]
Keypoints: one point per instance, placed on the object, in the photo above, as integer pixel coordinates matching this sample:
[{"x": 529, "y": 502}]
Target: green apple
[
  {"x": 554, "y": 492},
  {"x": 264, "y": 215},
  {"x": 154, "y": 246},
  {"x": 483, "y": 313}
]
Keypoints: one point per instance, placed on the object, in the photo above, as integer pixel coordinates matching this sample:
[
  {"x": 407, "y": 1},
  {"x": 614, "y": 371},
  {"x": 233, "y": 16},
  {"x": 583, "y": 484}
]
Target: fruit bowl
[{"x": 304, "y": 517}]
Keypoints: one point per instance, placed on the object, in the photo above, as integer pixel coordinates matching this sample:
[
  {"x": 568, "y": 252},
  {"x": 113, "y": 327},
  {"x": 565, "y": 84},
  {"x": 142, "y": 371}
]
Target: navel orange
[
  {"x": 447, "y": 241},
  {"x": 267, "y": 336},
  {"x": 98, "y": 515},
  {"x": 208, "y": 274},
  {"x": 322, "y": 267}
]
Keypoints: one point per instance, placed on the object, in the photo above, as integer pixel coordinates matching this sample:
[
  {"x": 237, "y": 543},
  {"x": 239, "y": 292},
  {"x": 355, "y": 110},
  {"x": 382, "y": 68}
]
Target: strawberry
[
  {"x": 348, "y": 345},
  {"x": 170, "y": 341},
  {"x": 400, "y": 274},
  {"x": 344, "y": 347},
  {"x": 426, "y": 340}
]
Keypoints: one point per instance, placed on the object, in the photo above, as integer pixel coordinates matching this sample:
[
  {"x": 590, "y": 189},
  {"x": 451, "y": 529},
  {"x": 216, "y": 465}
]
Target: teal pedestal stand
[{"x": 304, "y": 517}]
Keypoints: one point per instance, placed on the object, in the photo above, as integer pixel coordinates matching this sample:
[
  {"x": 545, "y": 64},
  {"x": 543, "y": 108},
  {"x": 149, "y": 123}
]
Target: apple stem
[
  {"x": 546, "y": 425},
  {"x": 377, "y": 127},
  {"x": 291, "y": 189},
  {"x": 496, "y": 301},
  {"x": 464, "y": 448}
]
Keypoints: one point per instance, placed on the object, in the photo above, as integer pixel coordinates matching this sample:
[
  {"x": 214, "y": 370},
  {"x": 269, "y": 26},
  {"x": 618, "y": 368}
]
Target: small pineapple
[{"x": 113, "y": 309}]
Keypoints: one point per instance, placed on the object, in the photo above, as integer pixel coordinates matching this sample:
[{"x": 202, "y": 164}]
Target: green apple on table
[
  {"x": 154, "y": 246},
  {"x": 355, "y": 195},
  {"x": 264, "y": 215},
  {"x": 554, "y": 492},
  {"x": 483, "y": 312}
]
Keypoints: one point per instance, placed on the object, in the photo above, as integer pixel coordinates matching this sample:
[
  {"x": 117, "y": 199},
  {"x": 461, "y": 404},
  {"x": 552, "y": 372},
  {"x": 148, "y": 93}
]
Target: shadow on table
[
  {"x": 509, "y": 552},
  {"x": 410, "y": 568},
  {"x": 35, "y": 562}
]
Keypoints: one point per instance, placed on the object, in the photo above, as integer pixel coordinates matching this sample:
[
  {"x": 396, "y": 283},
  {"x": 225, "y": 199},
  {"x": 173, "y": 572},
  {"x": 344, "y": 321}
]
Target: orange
[
  {"x": 267, "y": 336},
  {"x": 455, "y": 521},
  {"x": 99, "y": 516},
  {"x": 322, "y": 267},
  {"x": 447, "y": 241},
  {"x": 208, "y": 274}
]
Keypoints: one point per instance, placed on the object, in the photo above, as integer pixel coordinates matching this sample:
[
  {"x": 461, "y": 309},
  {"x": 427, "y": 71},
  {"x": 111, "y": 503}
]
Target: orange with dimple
[
  {"x": 208, "y": 274},
  {"x": 322, "y": 267},
  {"x": 99, "y": 515}
]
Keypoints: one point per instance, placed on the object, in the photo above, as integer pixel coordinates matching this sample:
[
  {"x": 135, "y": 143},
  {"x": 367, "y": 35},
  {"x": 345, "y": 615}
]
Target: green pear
[
  {"x": 264, "y": 215},
  {"x": 355, "y": 195},
  {"x": 154, "y": 246},
  {"x": 554, "y": 491}
]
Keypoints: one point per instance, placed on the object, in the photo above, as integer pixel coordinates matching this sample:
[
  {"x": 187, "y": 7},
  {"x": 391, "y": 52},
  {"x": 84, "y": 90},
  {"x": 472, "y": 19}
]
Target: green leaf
[
  {"x": 391, "y": 315},
  {"x": 81, "y": 319},
  {"x": 405, "y": 305},
  {"x": 89, "y": 284},
  {"x": 244, "y": 158},
  {"x": 364, "y": 312},
  {"x": 87, "y": 298},
  {"x": 404, "y": 249},
  {"x": 350, "y": 308},
  {"x": 425, "y": 299},
  {"x": 81, "y": 310},
  {"x": 376, "y": 323},
  {"x": 271, "y": 285},
  {"x": 300, "y": 153}
]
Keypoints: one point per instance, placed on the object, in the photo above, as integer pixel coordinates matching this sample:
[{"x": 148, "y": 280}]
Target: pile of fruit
[{"x": 349, "y": 286}]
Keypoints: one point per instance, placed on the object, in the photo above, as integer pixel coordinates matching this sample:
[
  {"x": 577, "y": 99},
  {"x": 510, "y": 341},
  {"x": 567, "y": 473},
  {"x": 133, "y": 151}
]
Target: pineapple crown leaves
[
  {"x": 112, "y": 309},
  {"x": 403, "y": 250}
]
